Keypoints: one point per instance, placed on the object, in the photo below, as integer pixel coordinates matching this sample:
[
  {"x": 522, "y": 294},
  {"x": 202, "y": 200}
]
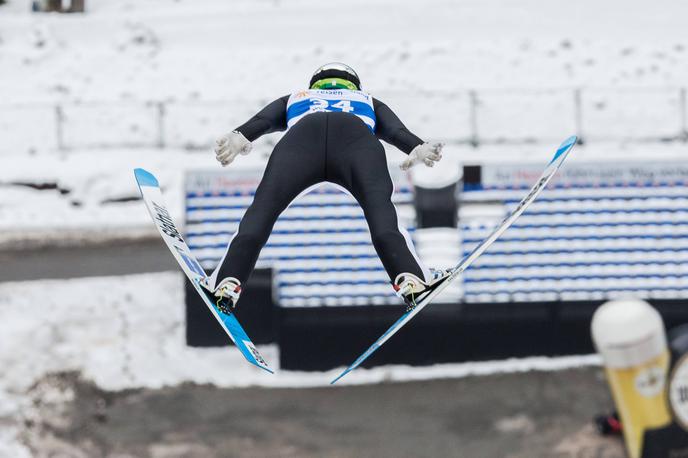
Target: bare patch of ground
[{"x": 527, "y": 415}]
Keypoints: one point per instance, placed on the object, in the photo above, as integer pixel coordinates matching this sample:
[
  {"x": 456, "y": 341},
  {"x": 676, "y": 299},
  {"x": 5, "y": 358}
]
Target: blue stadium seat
[
  {"x": 320, "y": 245},
  {"x": 580, "y": 243}
]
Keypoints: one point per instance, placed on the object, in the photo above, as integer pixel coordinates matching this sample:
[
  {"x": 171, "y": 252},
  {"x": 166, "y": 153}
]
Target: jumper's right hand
[
  {"x": 229, "y": 146},
  {"x": 426, "y": 153}
]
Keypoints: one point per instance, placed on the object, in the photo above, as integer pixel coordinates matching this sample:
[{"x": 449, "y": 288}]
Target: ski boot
[
  {"x": 412, "y": 289},
  {"x": 227, "y": 293}
]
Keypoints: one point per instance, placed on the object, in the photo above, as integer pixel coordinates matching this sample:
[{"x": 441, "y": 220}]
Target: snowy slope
[
  {"x": 214, "y": 63},
  {"x": 192, "y": 55},
  {"x": 162, "y": 49}
]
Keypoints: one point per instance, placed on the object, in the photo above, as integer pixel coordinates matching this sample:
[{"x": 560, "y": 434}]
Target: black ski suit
[{"x": 335, "y": 147}]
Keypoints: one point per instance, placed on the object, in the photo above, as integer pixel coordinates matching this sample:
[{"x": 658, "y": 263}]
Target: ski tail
[
  {"x": 549, "y": 172},
  {"x": 234, "y": 330},
  {"x": 358, "y": 362},
  {"x": 373, "y": 348},
  {"x": 152, "y": 197},
  {"x": 406, "y": 317}
]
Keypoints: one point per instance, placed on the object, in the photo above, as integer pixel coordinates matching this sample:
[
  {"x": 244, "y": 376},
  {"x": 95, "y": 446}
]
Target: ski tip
[
  {"x": 346, "y": 371},
  {"x": 338, "y": 377},
  {"x": 568, "y": 142},
  {"x": 145, "y": 178},
  {"x": 267, "y": 369},
  {"x": 565, "y": 146}
]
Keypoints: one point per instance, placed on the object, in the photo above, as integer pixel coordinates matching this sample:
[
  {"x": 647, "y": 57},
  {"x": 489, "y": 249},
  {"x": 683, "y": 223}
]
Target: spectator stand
[
  {"x": 602, "y": 230},
  {"x": 320, "y": 248}
]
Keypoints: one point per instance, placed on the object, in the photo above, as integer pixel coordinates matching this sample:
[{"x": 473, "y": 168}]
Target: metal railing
[{"x": 473, "y": 117}]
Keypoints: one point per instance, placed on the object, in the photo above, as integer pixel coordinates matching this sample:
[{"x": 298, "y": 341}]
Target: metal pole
[
  {"x": 578, "y": 113},
  {"x": 683, "y": 113},
  {"x": 59, "y": 127},
  {"x": 161, "y": 124},
  {"x": 473, "y": 117}
]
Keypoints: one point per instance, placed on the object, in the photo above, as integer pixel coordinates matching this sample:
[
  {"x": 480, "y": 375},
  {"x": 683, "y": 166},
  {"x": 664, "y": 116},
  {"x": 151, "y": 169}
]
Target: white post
[
  {"x": 161, "y": 125},
  {"x": 473, "y": 117},
  {"x": 683, "y": 113},
  {"x": 578, "y": 113},
  {"x": 59, "y": 127}
]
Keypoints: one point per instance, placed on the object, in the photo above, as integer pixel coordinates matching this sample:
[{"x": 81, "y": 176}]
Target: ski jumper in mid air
[{"x": 332, "y": 136}]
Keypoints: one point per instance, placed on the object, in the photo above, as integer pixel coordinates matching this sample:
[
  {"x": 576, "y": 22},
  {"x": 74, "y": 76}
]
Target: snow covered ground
[
  {"x": 115, "y": 332},
  {"x": 120, "y": 333},
  {"x": 98, "y": 201},
  {"x": 214, "y": 63},
  {"x": 524, "y": 57},
  {"x": 209, "y": 49}
]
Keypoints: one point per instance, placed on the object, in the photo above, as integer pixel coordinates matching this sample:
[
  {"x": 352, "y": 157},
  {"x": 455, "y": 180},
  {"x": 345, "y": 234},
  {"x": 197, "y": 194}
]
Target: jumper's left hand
[
  {"x": 426, "y": 153},
  {"x": 229, "y": 146}
]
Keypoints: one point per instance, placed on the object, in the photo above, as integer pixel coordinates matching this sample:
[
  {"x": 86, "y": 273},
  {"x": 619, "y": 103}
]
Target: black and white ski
[{"x": 152, "y": 197}]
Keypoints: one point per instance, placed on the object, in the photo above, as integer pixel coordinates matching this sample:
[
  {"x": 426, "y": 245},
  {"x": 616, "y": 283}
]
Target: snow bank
[{"x": 121, "y": 333}]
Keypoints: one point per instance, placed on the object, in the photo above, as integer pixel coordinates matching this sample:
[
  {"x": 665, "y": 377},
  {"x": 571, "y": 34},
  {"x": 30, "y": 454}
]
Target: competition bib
[{"x": 310, "y": 101}]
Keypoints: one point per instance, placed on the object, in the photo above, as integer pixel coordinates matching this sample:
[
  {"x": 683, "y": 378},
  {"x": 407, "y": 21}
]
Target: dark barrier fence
[{"x": 322, "y": 338}]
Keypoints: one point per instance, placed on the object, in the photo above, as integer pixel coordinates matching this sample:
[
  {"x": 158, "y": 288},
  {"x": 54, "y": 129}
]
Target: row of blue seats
[
  {"x": 582, "y": 242},
  {"x": 478, "y": 187},
  {"x": 324, "y": 220},
  {"x": 295, "y": 274}
]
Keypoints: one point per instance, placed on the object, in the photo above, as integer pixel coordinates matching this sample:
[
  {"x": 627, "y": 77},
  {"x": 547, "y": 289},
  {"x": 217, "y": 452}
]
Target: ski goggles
[{"x": 334, "y": 83}]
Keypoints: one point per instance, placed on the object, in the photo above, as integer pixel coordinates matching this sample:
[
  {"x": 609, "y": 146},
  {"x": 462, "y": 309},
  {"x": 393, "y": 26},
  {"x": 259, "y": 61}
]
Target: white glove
[
  {"x": 229, "y": 146},
  {"x": 426, "y": 153}
]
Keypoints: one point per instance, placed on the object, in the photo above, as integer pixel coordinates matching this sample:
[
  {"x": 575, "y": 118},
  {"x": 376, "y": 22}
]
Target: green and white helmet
[{"x": 335, "y": 75}]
